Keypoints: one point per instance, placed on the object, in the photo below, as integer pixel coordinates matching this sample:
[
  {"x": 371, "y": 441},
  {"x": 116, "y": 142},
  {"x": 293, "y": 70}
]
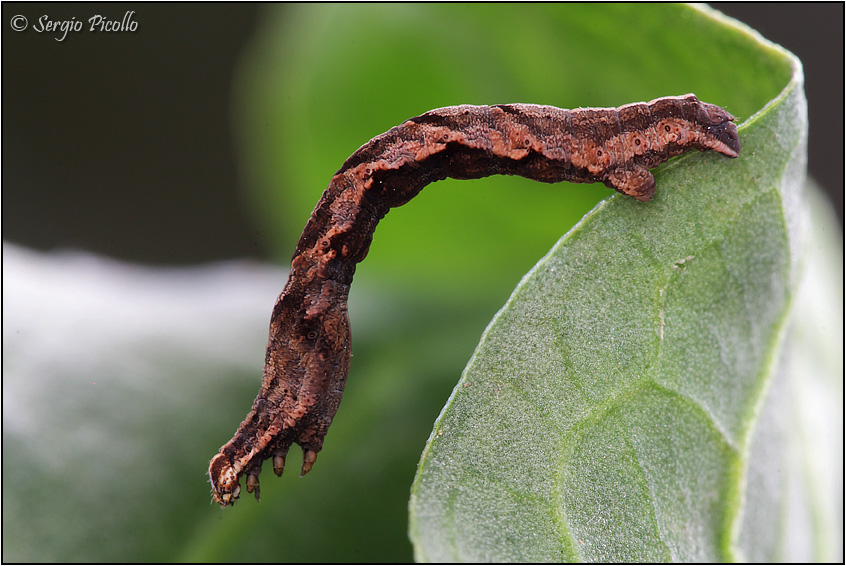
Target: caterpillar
[{"x": 308, "y": 351}]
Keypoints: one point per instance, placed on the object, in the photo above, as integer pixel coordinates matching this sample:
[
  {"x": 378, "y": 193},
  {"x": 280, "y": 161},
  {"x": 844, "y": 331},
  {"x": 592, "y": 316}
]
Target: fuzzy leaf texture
[{"x": 610, "y": 410}]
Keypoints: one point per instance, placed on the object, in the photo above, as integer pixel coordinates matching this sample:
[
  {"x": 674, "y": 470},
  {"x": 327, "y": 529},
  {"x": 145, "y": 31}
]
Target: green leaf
[
  {"x": 608, "y": 410},
  {"x": 794, "y": 496}
]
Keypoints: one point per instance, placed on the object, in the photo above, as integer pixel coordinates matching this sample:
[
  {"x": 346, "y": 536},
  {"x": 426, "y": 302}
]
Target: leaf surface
[{"x": 606, "y": 414}]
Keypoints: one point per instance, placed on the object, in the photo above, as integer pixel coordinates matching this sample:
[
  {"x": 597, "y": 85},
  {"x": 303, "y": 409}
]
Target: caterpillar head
[{"x": 225, "y": 480}]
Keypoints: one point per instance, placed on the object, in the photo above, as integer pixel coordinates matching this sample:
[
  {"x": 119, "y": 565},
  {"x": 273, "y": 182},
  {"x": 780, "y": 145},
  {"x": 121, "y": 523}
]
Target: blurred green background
[{"x": 209, "y": 134}]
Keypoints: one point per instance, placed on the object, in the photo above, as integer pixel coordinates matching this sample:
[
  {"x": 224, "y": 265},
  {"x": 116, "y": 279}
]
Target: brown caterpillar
[{"x": 308, "y": 352}]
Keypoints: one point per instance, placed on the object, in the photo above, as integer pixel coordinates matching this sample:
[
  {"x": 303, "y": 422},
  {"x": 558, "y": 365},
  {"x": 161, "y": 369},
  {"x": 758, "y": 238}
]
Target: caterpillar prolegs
[{"x": 308, "y": 351}]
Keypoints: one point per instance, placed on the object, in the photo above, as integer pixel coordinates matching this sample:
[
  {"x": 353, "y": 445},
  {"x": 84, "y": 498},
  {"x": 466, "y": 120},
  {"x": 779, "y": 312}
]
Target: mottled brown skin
[{"x": 308, "y": 354}]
